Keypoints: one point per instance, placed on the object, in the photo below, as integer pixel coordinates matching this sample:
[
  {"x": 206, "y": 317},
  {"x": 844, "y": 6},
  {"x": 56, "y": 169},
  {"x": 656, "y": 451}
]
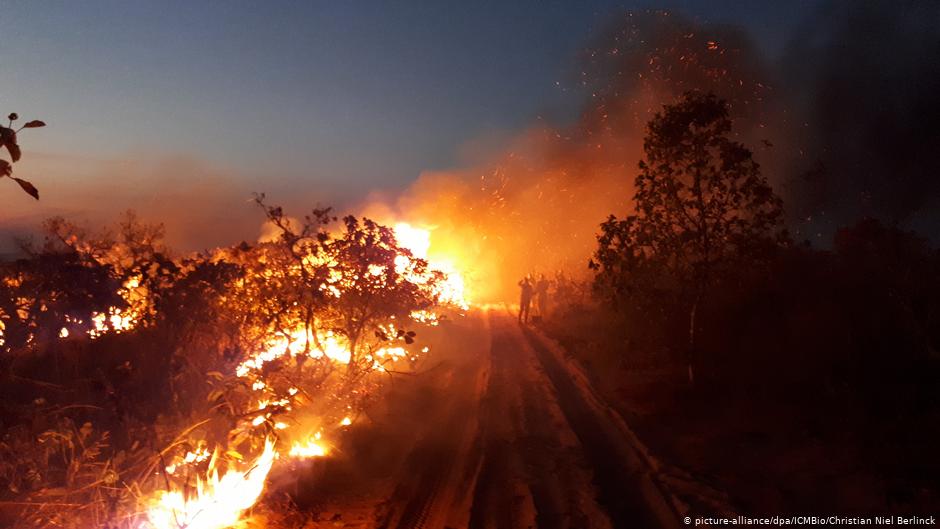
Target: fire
[
  {"x": 217, "y": 503},
  {"x": 218, "y": 498},
  {"x": 416, "y": 240},
  {"x": 115, "y": 320},
  {"x": 312, "y": 447},
  {"x": 451, "y": 290},
  {"x": 326, "y": 344},
  {"x": 305, "y": 365}
]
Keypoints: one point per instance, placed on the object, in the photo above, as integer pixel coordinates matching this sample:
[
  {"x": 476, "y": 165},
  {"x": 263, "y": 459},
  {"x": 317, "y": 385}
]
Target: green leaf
[
  {"x": 29, "y": 188},
  {"x": 34, "y": 124}
]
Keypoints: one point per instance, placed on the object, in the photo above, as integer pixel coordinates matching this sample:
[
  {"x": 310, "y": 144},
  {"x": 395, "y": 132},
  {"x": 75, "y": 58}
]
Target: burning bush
[{"x": 256, "y": 353}]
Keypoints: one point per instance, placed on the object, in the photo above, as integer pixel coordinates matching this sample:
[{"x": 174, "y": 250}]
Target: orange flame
[
  {"x": 217, "y": 503},
  {"x": 451, "y": 290}
]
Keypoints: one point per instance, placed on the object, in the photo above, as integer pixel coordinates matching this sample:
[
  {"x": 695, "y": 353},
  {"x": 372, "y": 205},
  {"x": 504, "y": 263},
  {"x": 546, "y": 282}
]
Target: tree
[
  {"x": 349, "y": 284},
  {"x": 317, "y": 314},
  {"x": 8, "y": 140},
  {"x": 701, "y": 205}
]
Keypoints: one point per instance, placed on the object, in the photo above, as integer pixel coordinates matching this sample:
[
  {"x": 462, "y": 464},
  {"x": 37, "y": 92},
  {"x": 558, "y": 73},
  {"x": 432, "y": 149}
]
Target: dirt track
[{"x": 496, "y": 434}]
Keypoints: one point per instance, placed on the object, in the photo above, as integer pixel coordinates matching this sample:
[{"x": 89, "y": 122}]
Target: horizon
[{"x": 180, "y": 114}]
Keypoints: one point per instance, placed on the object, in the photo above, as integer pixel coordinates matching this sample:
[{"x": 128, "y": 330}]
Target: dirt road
[{"x": 498, "y": 433}]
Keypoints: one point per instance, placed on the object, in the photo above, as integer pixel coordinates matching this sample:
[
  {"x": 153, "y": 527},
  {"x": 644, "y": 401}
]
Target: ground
[{"x": 498, "y": 431}]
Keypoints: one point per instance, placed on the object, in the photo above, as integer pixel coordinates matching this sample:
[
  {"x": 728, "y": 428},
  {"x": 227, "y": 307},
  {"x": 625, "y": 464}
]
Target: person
[
  {"x": 541, "y": 293},
  {"x": 525, "y": 299}
]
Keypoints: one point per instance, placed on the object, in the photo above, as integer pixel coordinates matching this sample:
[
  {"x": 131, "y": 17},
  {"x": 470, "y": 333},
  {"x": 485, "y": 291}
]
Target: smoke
[
  {"x": 844, "y": 125},
  {"x": 863, "y": 77},
  {"x": 202, "y": 205},
  {"x": 535, "y": 207}
]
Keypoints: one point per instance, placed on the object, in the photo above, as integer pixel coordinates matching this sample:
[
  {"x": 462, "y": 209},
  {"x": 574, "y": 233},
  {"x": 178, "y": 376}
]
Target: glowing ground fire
[{"x": 217, "y": 502}]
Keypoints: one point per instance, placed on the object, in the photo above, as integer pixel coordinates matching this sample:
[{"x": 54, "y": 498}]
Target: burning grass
[{"x": 195, "y": 379}]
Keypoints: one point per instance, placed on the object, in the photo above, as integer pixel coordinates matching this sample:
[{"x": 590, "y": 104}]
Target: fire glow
[
  {"x": 418, "y": 241},
  {"x": 217, "y": 502},
  {"x": 203, "y": 484},
  {"x": 220, "y": 502}
]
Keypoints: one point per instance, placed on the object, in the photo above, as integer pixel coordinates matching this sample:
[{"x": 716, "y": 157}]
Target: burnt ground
[{"x": 496, "y": 432}]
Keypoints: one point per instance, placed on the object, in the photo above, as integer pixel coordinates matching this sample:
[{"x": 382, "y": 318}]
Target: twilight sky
[{"x": 194, "y": 105}]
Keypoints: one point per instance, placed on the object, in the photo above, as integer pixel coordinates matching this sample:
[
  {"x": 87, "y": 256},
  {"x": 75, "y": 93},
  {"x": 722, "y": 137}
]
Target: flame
[
  {"x": 218, "y": 500},
  {"x": 217, "y": 503},
  {"x": 326, "y": 344},
  {"x": 311, "y": 447},
  {"x": 416, "y": 240},
  {"x": 451, "y": 290},
  {"x": 117, "y": 320}
]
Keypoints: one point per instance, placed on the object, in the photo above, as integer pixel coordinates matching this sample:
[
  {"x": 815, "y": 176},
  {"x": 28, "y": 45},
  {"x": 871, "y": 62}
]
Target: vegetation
[
  {"x": 816, "y": 367},
  {"x": 127, "y": 371},
  {"x": 8, "y": 140},
  {"x": 702, "y": 211}
]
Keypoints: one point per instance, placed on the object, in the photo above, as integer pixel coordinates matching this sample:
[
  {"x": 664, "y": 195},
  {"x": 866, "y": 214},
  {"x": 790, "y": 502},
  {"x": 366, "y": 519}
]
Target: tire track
[
  {"x": 441, "y": 468},
  {"x": 623, "y": 483}
]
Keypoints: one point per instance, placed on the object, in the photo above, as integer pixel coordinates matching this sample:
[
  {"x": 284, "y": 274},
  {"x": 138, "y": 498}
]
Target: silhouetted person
[
  {"x": 525, "y": 299},
  {"x": 541, "y": 295}
]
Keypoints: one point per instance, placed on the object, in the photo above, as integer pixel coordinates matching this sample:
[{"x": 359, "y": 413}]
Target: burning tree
[
  {"x": 261, "y": 353},
  {"x": 701, "y": 205},
  {"x": 317, "y": 315}
]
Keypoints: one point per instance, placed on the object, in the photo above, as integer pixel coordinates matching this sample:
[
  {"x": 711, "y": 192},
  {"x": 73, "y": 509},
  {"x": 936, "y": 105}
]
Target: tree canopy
[{"x": 700, "y": 200}]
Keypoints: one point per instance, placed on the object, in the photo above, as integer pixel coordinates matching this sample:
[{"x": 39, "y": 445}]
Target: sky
[{"x": 153, "y": 104}]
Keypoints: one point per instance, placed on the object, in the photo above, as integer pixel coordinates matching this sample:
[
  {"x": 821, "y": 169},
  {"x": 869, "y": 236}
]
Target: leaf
[
  {"x": 29, "y": 188},
  {"x": 34, "y": 124},
  {"x": 234, "y": 454},
  {"x": 5, "y": 168},
  {"x": 7, "y": 135},
  {"x": 14, "y": 149}
]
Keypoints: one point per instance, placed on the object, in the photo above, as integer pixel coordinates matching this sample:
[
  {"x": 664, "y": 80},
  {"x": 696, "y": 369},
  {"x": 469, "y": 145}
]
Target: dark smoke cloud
[{"x": 863, "y": 79}]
